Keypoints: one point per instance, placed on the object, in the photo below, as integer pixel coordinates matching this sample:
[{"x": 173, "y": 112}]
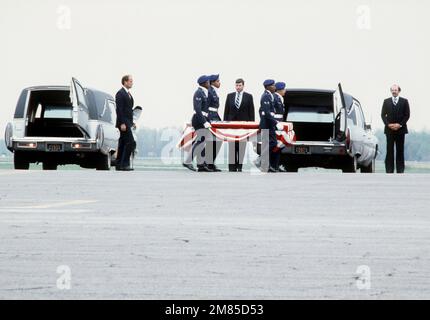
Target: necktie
[
  {"x": 395, "y": 101},
  {"x": 237, "y": 104}
]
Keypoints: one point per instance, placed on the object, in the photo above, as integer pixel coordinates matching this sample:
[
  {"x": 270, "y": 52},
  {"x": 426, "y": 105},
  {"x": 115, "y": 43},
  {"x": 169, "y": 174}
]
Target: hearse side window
[
  {"x": 360, "y": 115},
  {"x": 106, "y": 114},
  {"x": 92, "y": 105},
  {"x": 352, "y": 116},
  {"x": 101, "y": 106},
  {"x": 112, "y": 108}
]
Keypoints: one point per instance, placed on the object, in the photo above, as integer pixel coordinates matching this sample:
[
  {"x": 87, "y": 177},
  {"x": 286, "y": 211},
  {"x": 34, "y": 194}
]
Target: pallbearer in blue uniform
[
  {"x": 279, "y": 100},
  {"x": 213, "y": 100},
  {"x": 280, "y": 108},
  {"x": 271, "y": 124},
  {"x": 201, "y": 124}
]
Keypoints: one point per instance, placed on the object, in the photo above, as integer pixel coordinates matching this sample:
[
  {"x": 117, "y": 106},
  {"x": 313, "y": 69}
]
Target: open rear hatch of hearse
[
  {"x": 318, "y": 116},
  {"x": 57, "y": 112}
]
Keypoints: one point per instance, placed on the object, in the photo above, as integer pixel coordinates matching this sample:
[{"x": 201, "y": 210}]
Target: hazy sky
[{"x": 365, "y": 44}]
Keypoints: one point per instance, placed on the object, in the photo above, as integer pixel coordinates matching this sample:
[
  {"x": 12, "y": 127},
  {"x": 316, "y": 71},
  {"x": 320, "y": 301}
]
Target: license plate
[
  {"x": 302, "y": 150},
  {"x": 55, "y": 147}
]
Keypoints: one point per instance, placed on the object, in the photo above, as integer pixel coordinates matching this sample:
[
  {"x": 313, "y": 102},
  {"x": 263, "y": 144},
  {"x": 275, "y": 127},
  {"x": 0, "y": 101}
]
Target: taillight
[
  {"x": 27, "y": 145},
  {"x": 348, "y": 138},
  {"x": 81, "y": 145}
]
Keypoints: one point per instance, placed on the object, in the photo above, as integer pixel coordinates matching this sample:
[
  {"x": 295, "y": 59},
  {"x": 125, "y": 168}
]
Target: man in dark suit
[
  {"x": 239, "y": 106},
  {"x": 124, "y": 122},
  {"x": 395, "y": 115}
]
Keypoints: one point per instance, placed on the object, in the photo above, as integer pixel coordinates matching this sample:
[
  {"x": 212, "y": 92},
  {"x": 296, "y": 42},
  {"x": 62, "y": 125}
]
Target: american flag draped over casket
[{"x": 237, "y": 131}]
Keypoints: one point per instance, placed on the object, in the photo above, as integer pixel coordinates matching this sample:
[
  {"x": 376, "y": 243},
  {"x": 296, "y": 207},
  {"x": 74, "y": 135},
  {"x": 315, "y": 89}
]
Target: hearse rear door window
[
  {"x": 340, "y": 110},
  {"x": 79, "y": 103}
]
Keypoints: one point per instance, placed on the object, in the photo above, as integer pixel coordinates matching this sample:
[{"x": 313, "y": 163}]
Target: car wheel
[
  {"x": 291, "y": 167},
  {"x": 19, "y": 162},
  {"x": 350, "y": 165},
  {"x": 370, "y": 168},
  {"x": 104, "y": 162},
  {"x": 49, "y": 166}
]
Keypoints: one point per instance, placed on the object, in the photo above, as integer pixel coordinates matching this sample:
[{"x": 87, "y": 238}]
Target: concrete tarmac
[{"x": 181, "y": 235}]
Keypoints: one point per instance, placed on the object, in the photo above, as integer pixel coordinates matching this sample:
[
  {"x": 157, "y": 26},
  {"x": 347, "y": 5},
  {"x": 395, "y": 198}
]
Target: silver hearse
[
  {"x": 58, "y": 125},
  {"x": 331, "y": 132}
]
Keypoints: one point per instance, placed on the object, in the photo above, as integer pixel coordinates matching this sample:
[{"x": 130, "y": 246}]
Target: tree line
[{"x": 154, "y": 143}]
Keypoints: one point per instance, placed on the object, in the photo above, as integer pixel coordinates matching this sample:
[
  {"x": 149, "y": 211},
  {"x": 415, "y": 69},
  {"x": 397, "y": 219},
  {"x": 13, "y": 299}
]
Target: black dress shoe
[
  {"x": 126, "y": 169},
  {"x": 214, "y": 168},
  {"x": 189, "y": 166},
  {"x": 204, "y": 169}
]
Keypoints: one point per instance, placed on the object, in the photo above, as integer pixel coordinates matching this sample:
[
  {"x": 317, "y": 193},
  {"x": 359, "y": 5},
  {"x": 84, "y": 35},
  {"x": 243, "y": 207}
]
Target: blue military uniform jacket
[
  {"x": 201, "y": 107},
  {"x": 279, "y": 107},
  {"x": 267, "y": 116},
  {"x": 267, "y": 112},
  {"x": 213, "y": 100}
]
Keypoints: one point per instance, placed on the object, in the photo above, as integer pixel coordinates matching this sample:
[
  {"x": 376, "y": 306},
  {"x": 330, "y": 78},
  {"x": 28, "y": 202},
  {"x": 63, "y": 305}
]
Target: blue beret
[
  {"x": 268, "y": 82},
  {"x": 202, "y": 79},
  {"x": 280, "y": 85},
  {"x": 213, "y": 77}
]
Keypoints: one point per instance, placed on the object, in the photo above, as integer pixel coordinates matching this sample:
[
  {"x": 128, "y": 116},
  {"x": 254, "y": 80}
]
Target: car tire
[
  {"x": 370, "y": 168},
  {"x": 350, "y": 165},
  {"x": 291, "y": 167},
  {"x": 104, "y": 162},
  {"x": 49, "y": 166},
  {"x": 19, "y": 162}
]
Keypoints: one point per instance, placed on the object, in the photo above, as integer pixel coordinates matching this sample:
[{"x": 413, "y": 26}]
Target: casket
[{"x": 232, "y": 131}]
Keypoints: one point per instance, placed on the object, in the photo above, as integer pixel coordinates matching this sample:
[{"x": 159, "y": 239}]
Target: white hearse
[{"x": 59, "y": 125}]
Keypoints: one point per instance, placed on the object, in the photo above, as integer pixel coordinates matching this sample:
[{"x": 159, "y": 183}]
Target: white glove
[
  {"x": 207, "y": 125},
  {"x": 279, "y": 126}
]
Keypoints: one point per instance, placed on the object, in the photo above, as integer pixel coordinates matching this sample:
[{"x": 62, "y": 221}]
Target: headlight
[{"x": 8, "y": 135}]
